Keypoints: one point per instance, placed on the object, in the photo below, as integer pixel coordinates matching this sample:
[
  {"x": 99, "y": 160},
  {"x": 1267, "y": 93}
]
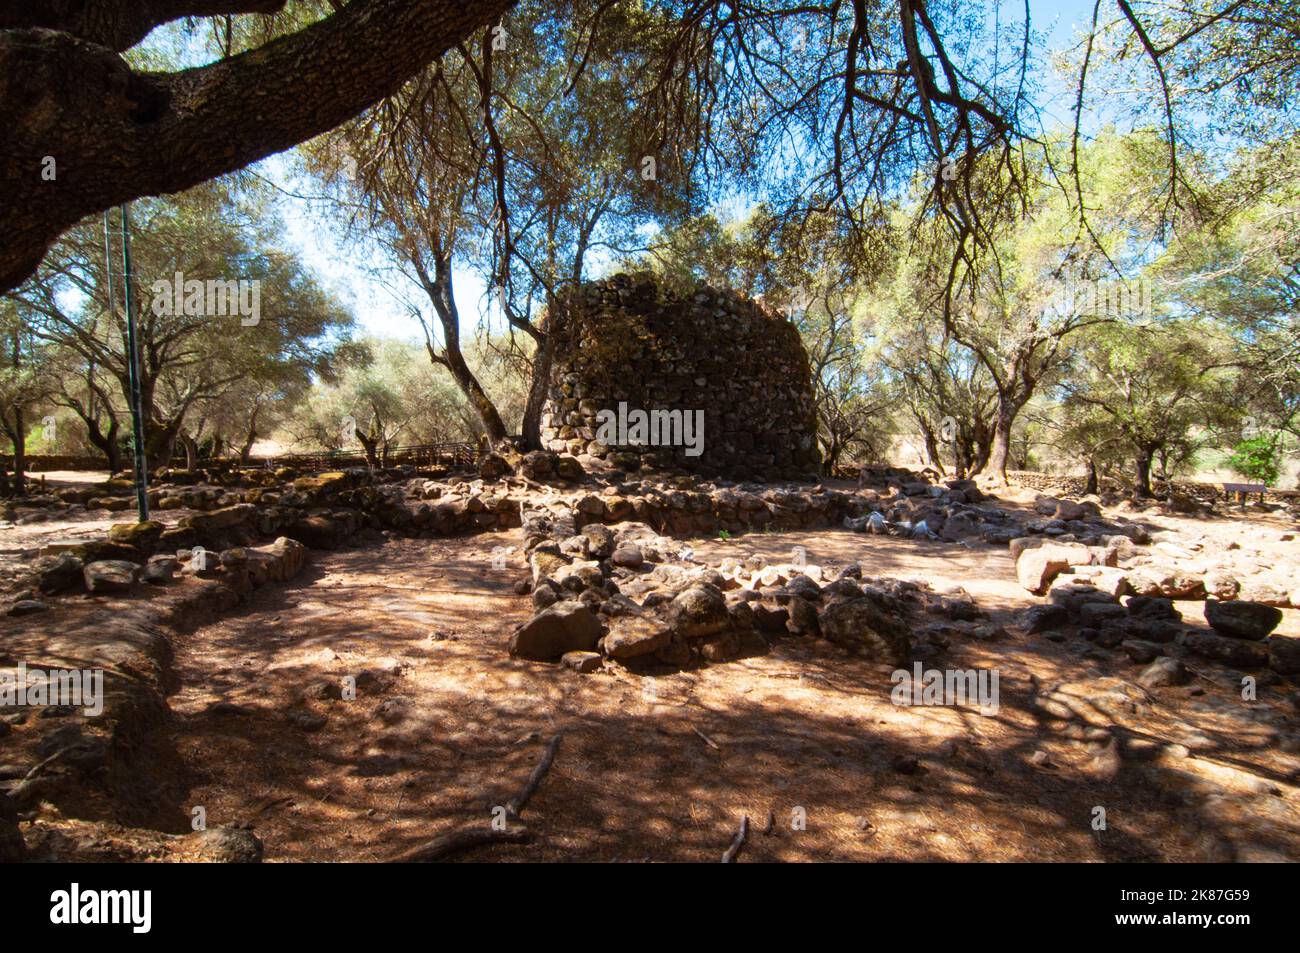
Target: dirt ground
[{"x": 802, "y": 740}]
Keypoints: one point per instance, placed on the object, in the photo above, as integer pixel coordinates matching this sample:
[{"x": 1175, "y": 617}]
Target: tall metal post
[{"x": 133, "y": 369}]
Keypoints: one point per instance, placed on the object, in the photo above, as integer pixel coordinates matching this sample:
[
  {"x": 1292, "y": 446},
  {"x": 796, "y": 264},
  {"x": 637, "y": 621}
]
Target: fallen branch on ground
[
  {"x": 465, "y": 838},
  {"x": 737, "y": 842}
]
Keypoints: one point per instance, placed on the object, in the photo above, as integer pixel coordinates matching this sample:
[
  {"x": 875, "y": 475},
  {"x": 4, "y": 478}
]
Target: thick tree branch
[
  {"x": 115, "y": 134},
  {"x": 118, "y": 24}
]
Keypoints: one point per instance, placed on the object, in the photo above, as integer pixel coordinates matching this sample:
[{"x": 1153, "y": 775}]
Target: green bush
[{"x": 1256, "y": 458}]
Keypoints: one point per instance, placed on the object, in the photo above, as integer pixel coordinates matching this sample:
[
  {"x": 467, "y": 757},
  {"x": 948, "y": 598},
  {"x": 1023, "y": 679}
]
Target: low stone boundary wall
[{"x": 1076, "y": 485}]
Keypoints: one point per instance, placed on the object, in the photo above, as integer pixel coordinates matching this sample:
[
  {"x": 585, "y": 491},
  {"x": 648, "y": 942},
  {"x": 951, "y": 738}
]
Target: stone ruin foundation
[{"x": 673, "y": 360}]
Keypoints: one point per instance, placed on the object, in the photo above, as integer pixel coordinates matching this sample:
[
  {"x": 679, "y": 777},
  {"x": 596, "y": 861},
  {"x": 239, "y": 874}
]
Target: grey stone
[
  {"x": 110, "y": 575},
  {"x": 564, "y": 627},
  {"x": 1242, "y": 620}
]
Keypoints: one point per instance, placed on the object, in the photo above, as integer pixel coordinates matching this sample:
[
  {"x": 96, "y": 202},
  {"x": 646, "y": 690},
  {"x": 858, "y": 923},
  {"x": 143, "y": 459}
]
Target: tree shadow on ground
[{"x": 663, "y": 766}]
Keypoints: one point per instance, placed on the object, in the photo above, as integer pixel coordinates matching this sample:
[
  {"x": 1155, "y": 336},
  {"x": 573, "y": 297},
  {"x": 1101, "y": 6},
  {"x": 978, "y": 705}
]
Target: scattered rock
[
  {"x": 160, "y": 570},
  {"x": 584, "y": 663},
  {"x": 59, "y": 573},
  {"x": 564, "y": 627},
  {"x": 1242, "y": 620},
  {"x": 699, "y": 611},
  {"x": 225, "y": 845},
  {"x": 1236, "y": 652},
  {"x": 1044, "y": 618},
  {"x": 628, "y": 555},
  {"x": 110, "y": 575},
  {"x": 1284, "y": 655},
  {"x": 862, "y": 627},
  {"x": 1162, "y": 673}
]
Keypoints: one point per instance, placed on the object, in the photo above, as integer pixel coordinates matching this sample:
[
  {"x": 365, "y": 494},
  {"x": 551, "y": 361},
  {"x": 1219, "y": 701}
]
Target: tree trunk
[
  {"x": 19, "y": 439},
  {"x": 250, "y": 438},
  {"x": 532, "y": 427},
  {"x": 117, "y": 134},
  {"x": 105, "y": 443},
  {"x": 1091, "y": 486},
  {"x": 443, "y": 297},
  {"x": 368, "y": 444},
  {"x": 932, "y": 453},
  {"x": 1142, "y": 485},
  {"x": 159, "y": 442},
  {"x": 1000, "y": 448}
]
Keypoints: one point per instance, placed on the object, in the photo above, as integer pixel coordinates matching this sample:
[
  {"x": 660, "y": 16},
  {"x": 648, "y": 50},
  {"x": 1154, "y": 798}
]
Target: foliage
[{"x": 1256, "y": 458}]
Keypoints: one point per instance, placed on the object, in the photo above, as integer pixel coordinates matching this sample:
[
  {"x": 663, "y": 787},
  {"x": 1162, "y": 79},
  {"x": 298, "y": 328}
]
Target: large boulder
[
  {"x": 698, "y": 611},
  {"x": 1037, "y": 567},
  {"x": 143, "y": 536},
  {"x": 634, "y": 636},
  {"x": 864, "y": 628},
  {"x": 59, "y": 573},
  {"x": 1284, "y": 655},
  {"x": 1238, "y": 653},
  {"x": 217, "y": 520},
  {"x": 1242, "y": 620},
  {"x": 564, "y": 627},
  {"x": 110, "y": 575}
]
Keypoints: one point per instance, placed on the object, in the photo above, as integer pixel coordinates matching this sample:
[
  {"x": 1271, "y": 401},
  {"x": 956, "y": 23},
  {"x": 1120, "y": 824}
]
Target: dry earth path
[{"x": 804, "y": 741}]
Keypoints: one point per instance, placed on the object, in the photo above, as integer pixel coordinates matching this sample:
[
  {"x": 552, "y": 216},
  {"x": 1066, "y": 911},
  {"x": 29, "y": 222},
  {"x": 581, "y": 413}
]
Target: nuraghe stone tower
[{"x": 637, "y": 371}]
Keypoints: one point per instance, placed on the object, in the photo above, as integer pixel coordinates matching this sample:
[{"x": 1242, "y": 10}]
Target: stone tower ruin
[{"x": 636, "y": 368}]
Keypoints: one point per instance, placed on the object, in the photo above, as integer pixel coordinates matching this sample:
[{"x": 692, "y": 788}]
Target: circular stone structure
[{"x": 703, "y": 380}]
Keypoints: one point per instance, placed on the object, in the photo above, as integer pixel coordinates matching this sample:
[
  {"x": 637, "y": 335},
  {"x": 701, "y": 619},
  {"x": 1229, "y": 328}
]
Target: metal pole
[{"x": 133, "y": 368}]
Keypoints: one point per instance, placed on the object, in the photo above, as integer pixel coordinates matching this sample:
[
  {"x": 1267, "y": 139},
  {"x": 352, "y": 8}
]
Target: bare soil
[{"x": 662, "y": 767}]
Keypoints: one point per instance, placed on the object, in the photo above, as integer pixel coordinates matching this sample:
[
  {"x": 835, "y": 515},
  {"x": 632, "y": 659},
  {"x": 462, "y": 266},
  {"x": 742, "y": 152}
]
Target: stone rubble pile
[
  {"x": 623, "y": 593},
  {"x": 1130, "y": 561}
]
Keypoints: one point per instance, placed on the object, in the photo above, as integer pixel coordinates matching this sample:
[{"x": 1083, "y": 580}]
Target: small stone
[
  {"x": 583, "y": 663},
  {"x": 27, "y": 607},
  {"x": 906, "y": 764},
  {"x": 629, "y": 556},
  {"x": 1139, "y": 651},
  {"x": 160, "y": 570},
  {"x": 307, "y": 721}
]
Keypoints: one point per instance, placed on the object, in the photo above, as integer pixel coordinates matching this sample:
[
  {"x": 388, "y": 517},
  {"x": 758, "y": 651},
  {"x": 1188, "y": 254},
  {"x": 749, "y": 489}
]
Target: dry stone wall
[{"x": 705, "y": 381}]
